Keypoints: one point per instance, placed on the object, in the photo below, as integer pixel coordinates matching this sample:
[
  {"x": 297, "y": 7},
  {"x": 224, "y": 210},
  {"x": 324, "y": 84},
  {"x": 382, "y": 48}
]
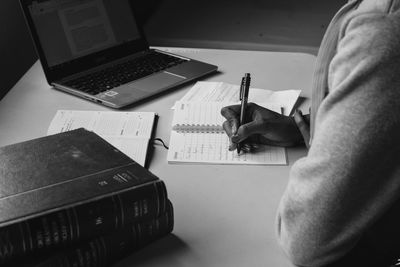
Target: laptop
[{"x": 96, "y": 50}]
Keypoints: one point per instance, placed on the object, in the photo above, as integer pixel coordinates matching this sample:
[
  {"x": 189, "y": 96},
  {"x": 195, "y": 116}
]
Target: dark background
[{"x": 270, "y": 25}]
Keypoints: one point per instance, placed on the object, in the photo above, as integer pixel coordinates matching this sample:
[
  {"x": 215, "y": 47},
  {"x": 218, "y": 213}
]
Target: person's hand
[
  {"x": 263, "y": 127},
  {"x": 303, "y": 123}
]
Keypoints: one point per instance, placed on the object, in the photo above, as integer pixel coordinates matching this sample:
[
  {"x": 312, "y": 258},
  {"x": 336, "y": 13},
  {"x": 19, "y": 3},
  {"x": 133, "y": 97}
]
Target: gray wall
[
  {"x": 17, "y": 51},
  {"x": 271, "y": 25}
]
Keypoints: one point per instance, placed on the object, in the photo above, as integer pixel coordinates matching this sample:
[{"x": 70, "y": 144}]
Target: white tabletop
[{"x": 224, "y": 214}]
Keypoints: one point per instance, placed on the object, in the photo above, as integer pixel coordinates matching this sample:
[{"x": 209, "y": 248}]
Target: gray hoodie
[{"x": 346, "y": 190}]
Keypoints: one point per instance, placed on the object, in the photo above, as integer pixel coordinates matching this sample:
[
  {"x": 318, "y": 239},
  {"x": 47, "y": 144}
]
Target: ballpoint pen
[{"x": 244, "y": 94}]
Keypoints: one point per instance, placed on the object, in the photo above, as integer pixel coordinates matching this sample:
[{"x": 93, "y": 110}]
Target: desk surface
[{"x": 224, "y": 214}]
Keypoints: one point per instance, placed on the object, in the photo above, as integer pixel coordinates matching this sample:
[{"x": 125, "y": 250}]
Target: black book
[
  {"x": 105, "y": 250},
  {"x": 73, "y": 186}
]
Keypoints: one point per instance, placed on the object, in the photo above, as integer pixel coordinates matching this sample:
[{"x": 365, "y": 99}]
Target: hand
[
  {"x": 263, "y": 127},
  {"x": 303, "y": 123}
]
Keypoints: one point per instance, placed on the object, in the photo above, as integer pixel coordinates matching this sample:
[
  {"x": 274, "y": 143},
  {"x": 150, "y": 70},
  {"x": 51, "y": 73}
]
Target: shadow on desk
[{"x": 166, "y": 247}]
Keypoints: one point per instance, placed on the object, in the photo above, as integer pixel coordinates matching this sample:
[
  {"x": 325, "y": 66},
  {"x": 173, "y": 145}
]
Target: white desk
[{"x": 224, "y": 215}]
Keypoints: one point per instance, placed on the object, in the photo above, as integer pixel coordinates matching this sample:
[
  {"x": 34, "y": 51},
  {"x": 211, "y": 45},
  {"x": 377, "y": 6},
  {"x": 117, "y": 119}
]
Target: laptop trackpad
[{"x": 156, "y": 82}]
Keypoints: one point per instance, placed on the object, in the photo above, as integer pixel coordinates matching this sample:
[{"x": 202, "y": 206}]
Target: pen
[{"x": 244, "y": 94}]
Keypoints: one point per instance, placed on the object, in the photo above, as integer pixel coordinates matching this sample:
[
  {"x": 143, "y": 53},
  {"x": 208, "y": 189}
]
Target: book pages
[{"x": 130, "y": 132}]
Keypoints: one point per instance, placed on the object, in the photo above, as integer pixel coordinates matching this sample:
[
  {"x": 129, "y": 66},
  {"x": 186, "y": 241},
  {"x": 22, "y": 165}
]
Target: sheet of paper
[
  {"x": 225, "y": 92},
  {"x": 130, "y": 132},
  {"x": 212, "y": 148}
]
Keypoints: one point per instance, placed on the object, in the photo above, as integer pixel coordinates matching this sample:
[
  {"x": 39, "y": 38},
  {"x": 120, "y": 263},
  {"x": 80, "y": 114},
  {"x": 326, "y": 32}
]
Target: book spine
[
  {"x": 82, "y": 222},
  {"x": 105, "y": 250}
]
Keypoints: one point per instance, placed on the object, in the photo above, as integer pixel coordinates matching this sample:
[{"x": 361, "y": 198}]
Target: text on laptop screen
[{"x": 70, "y": 29}]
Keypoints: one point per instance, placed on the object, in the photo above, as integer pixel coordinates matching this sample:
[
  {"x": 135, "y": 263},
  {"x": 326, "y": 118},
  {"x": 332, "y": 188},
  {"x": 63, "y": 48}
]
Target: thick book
[
  {"x": 105, "y": 250},
  {"x": 130, "y": 132},
  {"x": 67, "y": 187},
  {"x": 197, "y": 136}
]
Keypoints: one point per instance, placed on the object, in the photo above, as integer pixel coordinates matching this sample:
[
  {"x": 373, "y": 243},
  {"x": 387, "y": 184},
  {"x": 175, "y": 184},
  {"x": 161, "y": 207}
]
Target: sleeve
[{"x": 350, "y": 176}]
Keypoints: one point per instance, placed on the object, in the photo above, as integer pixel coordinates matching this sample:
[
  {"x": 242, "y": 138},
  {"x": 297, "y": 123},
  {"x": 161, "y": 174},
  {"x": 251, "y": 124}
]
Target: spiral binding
[{"x": 192, "y": 128}]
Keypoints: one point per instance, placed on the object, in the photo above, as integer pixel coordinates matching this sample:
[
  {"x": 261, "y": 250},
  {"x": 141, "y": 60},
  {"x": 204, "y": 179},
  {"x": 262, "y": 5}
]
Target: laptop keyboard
[{"x": 125, "y": 72}]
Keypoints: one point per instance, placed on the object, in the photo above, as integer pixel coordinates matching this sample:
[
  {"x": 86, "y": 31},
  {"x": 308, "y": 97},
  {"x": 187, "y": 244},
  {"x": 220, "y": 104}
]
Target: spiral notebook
[{"x": 197, "y": 136}]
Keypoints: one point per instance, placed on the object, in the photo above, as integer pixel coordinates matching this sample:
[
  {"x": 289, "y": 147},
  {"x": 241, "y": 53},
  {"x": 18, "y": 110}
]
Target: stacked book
[{"x": 72, "y": 199}]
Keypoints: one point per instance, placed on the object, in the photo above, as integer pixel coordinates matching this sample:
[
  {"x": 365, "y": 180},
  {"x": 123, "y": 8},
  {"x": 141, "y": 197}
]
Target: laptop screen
[{"x": 71, "y": 29}]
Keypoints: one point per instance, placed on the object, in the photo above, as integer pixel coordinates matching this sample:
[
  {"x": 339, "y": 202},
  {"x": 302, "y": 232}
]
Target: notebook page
[
  {"x": 128, "y": 131},
  {"x": 212, "y": 148},
  {"x": 198, "y": 116}
]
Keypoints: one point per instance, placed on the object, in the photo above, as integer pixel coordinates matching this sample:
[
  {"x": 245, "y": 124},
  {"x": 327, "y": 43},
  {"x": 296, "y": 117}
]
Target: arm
[{"x": 350, "y": 176}]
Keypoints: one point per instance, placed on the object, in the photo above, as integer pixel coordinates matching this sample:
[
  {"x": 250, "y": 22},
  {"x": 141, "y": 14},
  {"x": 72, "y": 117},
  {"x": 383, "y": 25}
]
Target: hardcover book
[
  {"x": 105, "y": 250},
  {"x": 68, "y": 187}
]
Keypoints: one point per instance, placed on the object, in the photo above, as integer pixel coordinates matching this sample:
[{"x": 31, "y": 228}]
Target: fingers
[
  {"x": 230, "y": 128},
  {"x": 231, "y": 131},
  {"x": 303, "y": 126},
  {"x": 231, "y": 112},
  {"x": 238, "y": 134},
  {"x": 248, "y": 129}
]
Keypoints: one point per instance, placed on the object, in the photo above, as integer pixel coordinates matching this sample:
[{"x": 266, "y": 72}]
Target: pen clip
[
  {"x": 246, "y": 85},
  {"x": 242, "y": 86}
]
